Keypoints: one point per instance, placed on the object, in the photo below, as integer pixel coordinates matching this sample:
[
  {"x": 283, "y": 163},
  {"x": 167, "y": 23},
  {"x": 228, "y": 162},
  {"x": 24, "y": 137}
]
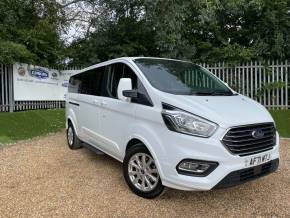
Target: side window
[
  {"x": 85, "y": 86},
  {"x": 143, "y": 97},
  {"x": 88, "y": 82},
  {"x": 129, "y": 73},
  {"x": 115, "y": 73},
  {"x": 74, "y": 84}
]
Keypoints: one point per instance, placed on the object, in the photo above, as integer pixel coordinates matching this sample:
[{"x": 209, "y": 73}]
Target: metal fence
[
  {"x": 267, "y": 83},
  {"x": 6, "y": 88},
  {"x": 32, "y": 105}
]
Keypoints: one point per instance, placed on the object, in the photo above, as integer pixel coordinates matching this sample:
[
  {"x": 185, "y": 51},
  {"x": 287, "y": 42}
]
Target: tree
[
  {"x": 30, "y": 31},
  {"x": 222, "y": 30},
  {"x": 122, "y": 31},
  {"x": 244, "y": 30},
  {"x": 197, "y": 30}
]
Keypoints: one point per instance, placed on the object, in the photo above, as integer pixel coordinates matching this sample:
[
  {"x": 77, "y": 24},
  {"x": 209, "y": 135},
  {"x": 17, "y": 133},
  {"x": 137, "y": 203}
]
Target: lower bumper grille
[{"x": 246, "y": 175}]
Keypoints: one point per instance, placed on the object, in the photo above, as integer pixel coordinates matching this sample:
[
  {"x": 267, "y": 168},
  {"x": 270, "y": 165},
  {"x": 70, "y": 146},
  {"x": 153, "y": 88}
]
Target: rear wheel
[
  {"x": 72, "y": 139},
  {"x": 141, "y": 173}
]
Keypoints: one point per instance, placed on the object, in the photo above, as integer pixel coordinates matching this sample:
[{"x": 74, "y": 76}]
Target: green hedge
[{"x": 282, "y": 119}]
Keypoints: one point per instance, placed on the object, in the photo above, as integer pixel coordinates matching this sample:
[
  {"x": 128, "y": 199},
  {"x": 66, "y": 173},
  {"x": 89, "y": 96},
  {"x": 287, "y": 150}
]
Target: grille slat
[
  {"x": 250, "y": 129},
  {"x": 228, "y": 136},
  {"x": 240, "y": 140},
  {"x": 249, "y": 139},
  {"x": 241, "y": 147},
  {"x": 249, "y": 148},
  {"x": 253, "y": 152},
  {"x": 253, "y": 143}
]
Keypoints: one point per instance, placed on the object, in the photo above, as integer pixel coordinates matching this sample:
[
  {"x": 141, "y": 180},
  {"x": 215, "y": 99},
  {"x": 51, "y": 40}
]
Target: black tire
[
  {"x": 73, "y": 143},
  {"x": 159, "y": 188}
]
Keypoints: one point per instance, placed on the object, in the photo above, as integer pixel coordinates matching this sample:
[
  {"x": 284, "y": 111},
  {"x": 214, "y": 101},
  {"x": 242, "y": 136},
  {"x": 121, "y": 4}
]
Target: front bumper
[{"x": 178, "y": 147}]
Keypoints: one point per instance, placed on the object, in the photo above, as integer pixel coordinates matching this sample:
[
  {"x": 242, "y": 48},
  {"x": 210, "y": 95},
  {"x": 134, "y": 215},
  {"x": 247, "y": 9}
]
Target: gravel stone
[{"x": 43, "y": 178}]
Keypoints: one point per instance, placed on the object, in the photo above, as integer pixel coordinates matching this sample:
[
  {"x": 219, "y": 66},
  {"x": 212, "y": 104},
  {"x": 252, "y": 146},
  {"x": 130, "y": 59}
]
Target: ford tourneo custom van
[{"x": 171, "y": 123}]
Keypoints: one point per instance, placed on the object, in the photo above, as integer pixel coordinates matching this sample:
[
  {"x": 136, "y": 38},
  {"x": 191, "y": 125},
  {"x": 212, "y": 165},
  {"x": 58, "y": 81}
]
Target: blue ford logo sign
[
  {"x": 39, "y": 73},
  {"x": 258, "y": 133}
]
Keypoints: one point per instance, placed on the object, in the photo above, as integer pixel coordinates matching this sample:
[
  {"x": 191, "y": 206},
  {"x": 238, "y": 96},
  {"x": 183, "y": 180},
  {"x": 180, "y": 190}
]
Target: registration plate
[{"x": 257, "y": 160}]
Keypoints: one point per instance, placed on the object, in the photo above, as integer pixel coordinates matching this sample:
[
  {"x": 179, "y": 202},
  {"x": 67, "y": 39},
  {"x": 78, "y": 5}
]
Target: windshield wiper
[
  {"x": 214, "y": 93},
  {"x": 222, "y": 93},
  {"x": 201, "y": 93}
]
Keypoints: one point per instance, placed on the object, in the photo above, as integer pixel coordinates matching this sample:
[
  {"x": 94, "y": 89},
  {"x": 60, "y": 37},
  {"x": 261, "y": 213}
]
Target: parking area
[{"x": 42, "y": 177}]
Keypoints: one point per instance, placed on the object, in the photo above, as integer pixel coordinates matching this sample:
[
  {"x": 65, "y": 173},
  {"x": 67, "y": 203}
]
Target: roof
[{"x": 124, "y": 59}]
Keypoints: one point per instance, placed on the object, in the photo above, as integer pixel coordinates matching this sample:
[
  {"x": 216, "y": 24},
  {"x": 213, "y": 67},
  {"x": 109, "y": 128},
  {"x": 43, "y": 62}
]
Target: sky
[{"x": 80, "y": 12}]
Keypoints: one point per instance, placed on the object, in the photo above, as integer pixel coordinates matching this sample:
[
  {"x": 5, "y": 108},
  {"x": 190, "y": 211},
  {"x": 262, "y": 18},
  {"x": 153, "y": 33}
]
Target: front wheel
[{"x": 141, "y": 173}]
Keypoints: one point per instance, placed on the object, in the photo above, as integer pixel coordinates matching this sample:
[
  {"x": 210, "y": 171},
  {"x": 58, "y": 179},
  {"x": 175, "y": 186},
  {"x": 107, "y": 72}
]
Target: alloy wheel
[
  {"x": 70, "y": 136},
  {"x": 143, "y": 172}
]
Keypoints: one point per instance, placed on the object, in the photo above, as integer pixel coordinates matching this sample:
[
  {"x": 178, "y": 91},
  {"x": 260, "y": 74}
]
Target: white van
[{"x": 171, "y": 123}]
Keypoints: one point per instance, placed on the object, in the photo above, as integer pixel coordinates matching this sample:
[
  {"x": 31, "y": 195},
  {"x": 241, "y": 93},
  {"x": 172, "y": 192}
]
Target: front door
[{"x": 115, "y": 115}]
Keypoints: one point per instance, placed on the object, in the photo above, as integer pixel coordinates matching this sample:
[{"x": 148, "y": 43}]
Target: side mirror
[{"x": 125, "y": 92}]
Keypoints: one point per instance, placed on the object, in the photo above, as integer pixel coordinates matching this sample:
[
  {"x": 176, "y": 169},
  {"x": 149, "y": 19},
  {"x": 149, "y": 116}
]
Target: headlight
[{"x": 184, "y": 122}]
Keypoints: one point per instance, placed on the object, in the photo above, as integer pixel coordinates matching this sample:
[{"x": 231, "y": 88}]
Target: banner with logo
[{"x": 33, "y": 83}]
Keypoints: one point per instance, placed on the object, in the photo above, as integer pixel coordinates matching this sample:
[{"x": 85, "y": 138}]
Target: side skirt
[
  {"x": 92, "y": 148},
  {"x": 98, "y": 151}
]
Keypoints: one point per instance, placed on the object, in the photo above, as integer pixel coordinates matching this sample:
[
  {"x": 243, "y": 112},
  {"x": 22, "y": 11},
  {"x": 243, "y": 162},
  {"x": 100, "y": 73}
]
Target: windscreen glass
[{"x": 181, "y": 78}]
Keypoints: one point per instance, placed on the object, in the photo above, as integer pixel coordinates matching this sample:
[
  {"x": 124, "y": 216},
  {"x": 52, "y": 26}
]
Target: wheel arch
[
  {"x": 133, "y": 142},
  {"x": 139, "y": 139},
  {"x": 71, "y": 120}
]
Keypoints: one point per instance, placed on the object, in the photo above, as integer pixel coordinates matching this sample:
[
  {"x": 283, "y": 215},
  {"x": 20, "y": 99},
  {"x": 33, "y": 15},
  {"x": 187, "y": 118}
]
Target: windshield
[{"x": 181, "y": 78}]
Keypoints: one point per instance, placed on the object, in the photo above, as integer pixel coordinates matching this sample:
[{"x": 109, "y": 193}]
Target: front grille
[
  {"x": 245, "y": 175},
  {"x": 243, "y": 141}
]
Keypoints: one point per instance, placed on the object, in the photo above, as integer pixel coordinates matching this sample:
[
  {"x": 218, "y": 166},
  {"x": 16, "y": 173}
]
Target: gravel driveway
[{"x": 43, "y": 178}]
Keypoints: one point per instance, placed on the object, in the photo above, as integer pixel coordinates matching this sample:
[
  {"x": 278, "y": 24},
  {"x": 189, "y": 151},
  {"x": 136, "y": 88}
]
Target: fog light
[{"x": 196, "y": 167}]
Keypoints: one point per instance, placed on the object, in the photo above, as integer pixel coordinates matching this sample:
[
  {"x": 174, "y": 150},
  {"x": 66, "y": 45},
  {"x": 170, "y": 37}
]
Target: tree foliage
[
  {"x": 29, "y": 31},
  {"x": 199, "y": 30}
]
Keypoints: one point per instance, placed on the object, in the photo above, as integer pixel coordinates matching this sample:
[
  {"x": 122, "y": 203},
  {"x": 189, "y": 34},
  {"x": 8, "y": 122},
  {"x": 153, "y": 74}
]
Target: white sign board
[{"x": 33, "y": 83}]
